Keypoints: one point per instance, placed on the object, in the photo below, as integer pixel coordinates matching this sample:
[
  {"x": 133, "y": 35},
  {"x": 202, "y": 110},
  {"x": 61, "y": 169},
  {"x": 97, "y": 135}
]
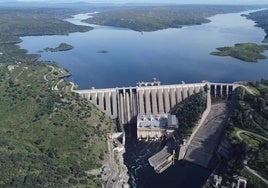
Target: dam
[
  {"x": 126, "y": 103},
  {"x": 129, "y": 104}
]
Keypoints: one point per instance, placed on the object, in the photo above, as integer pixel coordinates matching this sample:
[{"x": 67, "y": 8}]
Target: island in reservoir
[{"x": 61, "y": 47}]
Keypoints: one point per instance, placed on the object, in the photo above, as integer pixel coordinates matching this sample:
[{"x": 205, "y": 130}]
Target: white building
[{"x": 155, "y": 126}]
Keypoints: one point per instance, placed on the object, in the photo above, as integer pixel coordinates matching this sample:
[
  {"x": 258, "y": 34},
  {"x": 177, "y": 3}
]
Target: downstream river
[{"x": 171, "y": 55}]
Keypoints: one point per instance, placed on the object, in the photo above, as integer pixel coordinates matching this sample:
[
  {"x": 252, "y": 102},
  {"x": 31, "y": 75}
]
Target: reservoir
[{"x": 171, "y": 55}]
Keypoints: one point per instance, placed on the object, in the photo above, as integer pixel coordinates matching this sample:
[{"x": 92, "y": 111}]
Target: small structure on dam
[
  {"x": 154, "y": 82},
  {"x": 156, "y": 126}
]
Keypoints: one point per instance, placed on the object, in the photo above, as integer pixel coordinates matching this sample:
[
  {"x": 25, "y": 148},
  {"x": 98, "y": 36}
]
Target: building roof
[{"x": 152, "y": 121}]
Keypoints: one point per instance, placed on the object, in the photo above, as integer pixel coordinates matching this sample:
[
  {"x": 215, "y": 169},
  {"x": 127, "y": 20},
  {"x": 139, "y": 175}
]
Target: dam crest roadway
[{"x": 127, "y": 102}]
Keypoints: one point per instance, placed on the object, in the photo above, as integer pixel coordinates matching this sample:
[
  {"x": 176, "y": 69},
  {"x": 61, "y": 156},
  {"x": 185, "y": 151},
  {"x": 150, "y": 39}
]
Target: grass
[
  {"x": 248, "y": 52},
  {"x": 251, "y": 140},
  {"x": 233, "y": 136}
]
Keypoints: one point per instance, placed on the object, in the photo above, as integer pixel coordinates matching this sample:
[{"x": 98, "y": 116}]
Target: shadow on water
[{"x": 142, "y": 175}]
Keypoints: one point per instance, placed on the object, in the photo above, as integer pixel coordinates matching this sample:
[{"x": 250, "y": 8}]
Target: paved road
[
  {"x": 23, "y": 69},
  {"x": 248, "y": 132},
  {"x": 259, "y": 136},
  {"x": 256, "y": 124},
  {"x": 72, "y": 87},
  {"x": 247, "y": 89},
  {"x": 256, "y": 174},
  {"x": 56, "y": 86},
  {"x": 52, "y": 70}
]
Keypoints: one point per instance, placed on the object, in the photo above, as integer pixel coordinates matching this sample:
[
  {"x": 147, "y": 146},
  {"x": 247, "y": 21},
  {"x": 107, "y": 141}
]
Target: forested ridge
[
  {"x": 48, "y": 137},
  {"x": 152, "y": 18},
  {"x": 261, "y": 18}
]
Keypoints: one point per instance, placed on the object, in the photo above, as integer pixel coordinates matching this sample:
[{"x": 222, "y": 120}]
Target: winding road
[
  {"x": 254, "y": 172},
  {"x": 248, "y": 132},
  {"x": 23, "y": 69},
  {"x": 72, "y": 86},
  {"x": 247, "y": 89},
  {"x": 52, "y": 70},
  {"x": 55, "y": 88}
]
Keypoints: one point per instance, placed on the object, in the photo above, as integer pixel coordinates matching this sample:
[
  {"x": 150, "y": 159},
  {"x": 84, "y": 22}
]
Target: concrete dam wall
[{"x": 127, "y": 102}]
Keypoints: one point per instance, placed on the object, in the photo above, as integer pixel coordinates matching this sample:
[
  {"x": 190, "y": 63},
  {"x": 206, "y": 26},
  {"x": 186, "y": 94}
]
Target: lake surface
[{"x": 171, "y": 55}]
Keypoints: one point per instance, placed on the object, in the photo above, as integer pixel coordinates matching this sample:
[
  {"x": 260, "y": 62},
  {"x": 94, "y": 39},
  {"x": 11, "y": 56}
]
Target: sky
[{"x": 240, "y": 2}]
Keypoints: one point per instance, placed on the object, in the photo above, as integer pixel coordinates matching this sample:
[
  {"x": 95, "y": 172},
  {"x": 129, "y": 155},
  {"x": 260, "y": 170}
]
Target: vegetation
[
  {"x": 37, "y": 21},
  {"x": 248, "y": 52},
  {"x": 250, "y": 114},
  {"x": 253, "y": 181},
  {"x": 48, "y": 137},
  {"x": 157, "y": 18},
  {"x": 189, "y": 111},
  {"x": 261, "y": 18},
  {"x": 61, "y": 47},
  {"x": 15, "y": 23}
]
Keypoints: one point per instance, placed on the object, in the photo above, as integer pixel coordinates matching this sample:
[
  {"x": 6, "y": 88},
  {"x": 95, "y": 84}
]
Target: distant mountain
[{"x": 81, "y": 4}]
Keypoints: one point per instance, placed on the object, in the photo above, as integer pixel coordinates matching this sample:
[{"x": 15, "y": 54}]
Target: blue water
[
  {"x": 171, "y": 55},
  {"x": 142, "y": 175}
]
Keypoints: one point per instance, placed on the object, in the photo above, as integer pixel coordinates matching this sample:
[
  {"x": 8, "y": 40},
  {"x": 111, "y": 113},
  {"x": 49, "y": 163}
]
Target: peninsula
[
  {"x": 153, "y": 18},
  {"x": 260, "y": 18}
]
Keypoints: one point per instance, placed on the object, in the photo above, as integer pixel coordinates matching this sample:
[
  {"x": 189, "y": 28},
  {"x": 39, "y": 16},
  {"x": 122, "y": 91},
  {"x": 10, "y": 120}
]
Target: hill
[
  {"x": 49, "y": 136},
  {"x": 152, "y": 18}
]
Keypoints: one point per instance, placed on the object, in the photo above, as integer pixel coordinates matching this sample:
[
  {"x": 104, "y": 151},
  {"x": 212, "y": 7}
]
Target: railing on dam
[{"x": 126, "y": 103}]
